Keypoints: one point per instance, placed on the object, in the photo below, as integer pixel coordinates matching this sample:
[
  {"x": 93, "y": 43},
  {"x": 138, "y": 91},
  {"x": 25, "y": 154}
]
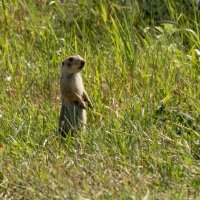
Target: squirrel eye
[{"x": 70, "y": 59}]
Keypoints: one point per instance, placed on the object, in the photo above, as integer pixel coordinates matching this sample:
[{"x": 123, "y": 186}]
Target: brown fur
[{"x": 73, "y": 94}]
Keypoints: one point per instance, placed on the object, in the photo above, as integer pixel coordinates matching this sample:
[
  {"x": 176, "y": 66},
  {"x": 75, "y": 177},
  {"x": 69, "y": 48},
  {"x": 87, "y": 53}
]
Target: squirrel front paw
[
  {"x": 82, "y": 105},
  {"x": 90, "y": 104}
]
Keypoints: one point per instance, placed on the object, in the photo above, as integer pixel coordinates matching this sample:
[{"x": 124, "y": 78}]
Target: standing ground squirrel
[{"x": 73, "y": 95}]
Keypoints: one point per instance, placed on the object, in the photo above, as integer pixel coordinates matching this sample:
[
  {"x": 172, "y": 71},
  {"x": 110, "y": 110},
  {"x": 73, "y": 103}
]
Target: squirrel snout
[{"x": 82, "y": 63}]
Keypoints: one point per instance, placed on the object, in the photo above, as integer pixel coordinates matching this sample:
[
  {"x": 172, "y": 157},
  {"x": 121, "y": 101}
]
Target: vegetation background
[{"x": 143, "y": 76}]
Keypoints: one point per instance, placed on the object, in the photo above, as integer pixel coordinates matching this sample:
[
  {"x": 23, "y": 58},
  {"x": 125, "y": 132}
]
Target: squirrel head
[{"x": 73, "y": 64}]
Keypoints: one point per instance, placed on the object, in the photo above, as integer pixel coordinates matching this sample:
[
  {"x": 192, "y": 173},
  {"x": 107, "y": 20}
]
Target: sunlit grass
[{"x": 142, "y": 75}]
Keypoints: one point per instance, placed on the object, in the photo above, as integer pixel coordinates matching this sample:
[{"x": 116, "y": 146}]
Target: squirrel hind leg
[
  {"x": 66, "y": 121},
  {"x": 72, "y": 119}
]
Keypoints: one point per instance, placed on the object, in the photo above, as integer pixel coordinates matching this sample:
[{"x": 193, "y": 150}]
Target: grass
[{"x": 142, "y": 75}]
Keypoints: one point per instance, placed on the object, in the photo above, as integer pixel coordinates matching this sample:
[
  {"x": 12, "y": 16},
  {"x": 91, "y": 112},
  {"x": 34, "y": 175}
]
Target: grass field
[{"x": 143, "y": 77}]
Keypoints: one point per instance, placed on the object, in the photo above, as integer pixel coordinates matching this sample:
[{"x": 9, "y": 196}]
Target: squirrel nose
[{"x": 82, "y": 63}]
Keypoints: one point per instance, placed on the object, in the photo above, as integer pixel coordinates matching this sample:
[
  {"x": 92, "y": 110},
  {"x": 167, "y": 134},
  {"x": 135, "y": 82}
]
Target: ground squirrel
[{"x": 73, "y": 94}]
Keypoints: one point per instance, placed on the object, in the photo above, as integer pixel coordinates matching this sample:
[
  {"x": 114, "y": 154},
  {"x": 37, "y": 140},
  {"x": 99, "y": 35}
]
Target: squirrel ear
[{"x": 63, "y": 63}]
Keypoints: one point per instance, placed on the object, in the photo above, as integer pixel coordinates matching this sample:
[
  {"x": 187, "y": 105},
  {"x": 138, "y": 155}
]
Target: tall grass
[{"x": 143, "y": 76}]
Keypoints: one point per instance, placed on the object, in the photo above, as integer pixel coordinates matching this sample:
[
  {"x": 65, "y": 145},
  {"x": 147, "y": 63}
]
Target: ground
[{"x": 142, "y": 74}]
